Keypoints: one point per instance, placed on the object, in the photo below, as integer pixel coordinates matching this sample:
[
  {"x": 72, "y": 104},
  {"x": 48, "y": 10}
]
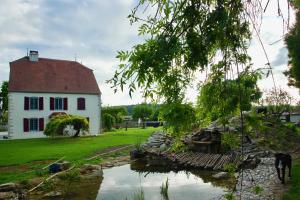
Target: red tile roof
[{"x": 53, "y": 76}]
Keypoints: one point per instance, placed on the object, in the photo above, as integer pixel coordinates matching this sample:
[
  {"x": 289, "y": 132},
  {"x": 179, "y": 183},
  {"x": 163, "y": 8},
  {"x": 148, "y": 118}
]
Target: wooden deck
[{"x": 200, "y": 160}]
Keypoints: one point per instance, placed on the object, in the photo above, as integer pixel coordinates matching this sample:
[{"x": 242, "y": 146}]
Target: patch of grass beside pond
[
  {"x": 16, "y": 154},
  {"x": 294, "y": 191}
]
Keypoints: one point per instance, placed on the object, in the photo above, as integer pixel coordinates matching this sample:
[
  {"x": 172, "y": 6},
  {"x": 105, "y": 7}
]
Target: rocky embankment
[{"x": 258, "y": 177}]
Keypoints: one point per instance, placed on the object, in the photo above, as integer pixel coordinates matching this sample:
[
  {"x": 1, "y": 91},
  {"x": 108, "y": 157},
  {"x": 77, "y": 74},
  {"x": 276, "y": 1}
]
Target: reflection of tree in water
[{"x": 163, "y": 166}]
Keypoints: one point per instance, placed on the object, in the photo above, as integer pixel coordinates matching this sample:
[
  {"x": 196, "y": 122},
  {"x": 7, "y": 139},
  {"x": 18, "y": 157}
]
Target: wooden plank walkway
[{"x": 199, "y": 160}]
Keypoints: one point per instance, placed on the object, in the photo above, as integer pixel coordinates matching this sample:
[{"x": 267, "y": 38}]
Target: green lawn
[
  {"x": 18, "y": 153},
  {"x": 294, "y": 191}
]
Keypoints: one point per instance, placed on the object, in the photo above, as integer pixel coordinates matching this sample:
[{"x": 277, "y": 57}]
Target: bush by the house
[
  {"x": 108, "y": 121},
  {"x": 57, "y": 125}
]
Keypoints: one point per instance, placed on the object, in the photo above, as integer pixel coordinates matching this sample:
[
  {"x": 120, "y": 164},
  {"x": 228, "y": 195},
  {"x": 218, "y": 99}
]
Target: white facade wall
[{"x": 16, "y": 112}]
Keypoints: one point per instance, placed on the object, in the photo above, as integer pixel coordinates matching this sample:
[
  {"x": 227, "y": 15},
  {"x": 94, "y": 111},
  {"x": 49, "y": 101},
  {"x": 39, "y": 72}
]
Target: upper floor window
[
  {"x": 80, "y": 103},
  {"x": 58, "y": 103},
  {"x": 33, "y": 103}
]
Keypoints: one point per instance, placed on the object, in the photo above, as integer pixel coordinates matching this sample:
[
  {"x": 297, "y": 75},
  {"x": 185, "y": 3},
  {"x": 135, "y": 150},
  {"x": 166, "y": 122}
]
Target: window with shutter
[
  {"x": 25, "y": 125},
  {"x": 41, "y": 124},
  {"x": 41, "y": 103},
  {"x": 51, "y": 103},
  {"x": 65, "y": 103},
  {"x": 26, "y": 103},
  {"x": 80, "y": 103}
]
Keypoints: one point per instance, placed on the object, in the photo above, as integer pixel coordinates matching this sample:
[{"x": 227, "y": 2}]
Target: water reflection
[{"x": 122, "y": 182}]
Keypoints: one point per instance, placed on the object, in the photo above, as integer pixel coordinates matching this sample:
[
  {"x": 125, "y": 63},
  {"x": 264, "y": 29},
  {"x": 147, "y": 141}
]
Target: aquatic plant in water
[{"x": 164, "y": 190}]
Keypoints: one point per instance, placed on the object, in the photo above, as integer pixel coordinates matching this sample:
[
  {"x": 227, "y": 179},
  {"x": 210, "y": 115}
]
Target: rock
[
  {"x": 134, "y": 154},
  {"x": 8, "y": 187},
  {"x": 8, "y": 195},
  {"x": 53, "y": 194},
  {"x": 64, "y": 165},
  {"x": 163, "y": 147},
  {"x": 87, "y": 168},
  {"x": 221, "y": 175}
]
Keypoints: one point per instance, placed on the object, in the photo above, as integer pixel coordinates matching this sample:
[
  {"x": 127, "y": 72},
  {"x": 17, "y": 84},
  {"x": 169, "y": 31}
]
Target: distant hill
[{"x": 131, "y": 107}]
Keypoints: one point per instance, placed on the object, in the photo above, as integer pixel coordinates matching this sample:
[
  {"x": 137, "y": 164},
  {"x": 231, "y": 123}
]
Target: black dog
[{"x": 281, "y": 162}]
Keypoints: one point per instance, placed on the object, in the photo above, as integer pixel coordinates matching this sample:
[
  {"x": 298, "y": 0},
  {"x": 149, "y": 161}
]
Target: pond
[{"x": 124, "y": 182}]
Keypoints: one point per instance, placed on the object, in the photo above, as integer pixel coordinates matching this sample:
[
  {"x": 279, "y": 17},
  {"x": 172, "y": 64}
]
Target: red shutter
[
  {"x": 51, "y": 103},
  {"x": 65, "y": 103},
  {"x": 41, "y": 103},
  {"x": 81, "y": 104},
  {"x": 25, "y": 125},
  {"x": 41, "y": 124},
  {"x": 26, "y": 103}
]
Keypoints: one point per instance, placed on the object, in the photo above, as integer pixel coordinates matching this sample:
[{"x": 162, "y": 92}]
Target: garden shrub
[
  {"x": 58, "y": 123},
  {"x": 108, "y": 121}
]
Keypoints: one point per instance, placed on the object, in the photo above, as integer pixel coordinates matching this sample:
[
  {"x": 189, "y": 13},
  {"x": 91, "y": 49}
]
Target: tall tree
[
  {"x": 225, "y": 103},
  {"x": 143, "y": 112},
  {"x": 292, "y": 41},
  {"x": 4, "y": 95},
  {"x": 184, "y": 37}
]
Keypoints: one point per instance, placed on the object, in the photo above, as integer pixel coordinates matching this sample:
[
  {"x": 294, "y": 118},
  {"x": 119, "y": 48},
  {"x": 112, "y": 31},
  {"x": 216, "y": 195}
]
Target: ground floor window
[{"x": 33, "y": 124}]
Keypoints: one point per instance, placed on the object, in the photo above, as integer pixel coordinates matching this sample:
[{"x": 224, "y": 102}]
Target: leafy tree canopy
[
  {"x": 142, "y": 111},
  {"x": 179, "y": 118},
  {"x": 118, "y": 112},
  {"x": 56, "y": 126},
  {"x": 184, "y": 36},
  {"x": 220, "y": 98},
  {"x": 108, "y": 121},
  {"x": 292, "y": 41},
  {"x": 4, "y": 95}
]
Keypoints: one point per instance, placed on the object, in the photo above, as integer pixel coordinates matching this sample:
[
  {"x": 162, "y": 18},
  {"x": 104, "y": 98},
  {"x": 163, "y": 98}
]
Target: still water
[{"x": 123, "y": 182}]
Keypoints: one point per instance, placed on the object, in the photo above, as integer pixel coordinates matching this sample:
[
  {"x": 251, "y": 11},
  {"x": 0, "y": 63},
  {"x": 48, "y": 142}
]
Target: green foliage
[
  {"x": 4, "y": 95},
  {"x": 118, "y": 112},
  {"x": 48, "y": 185},
  {"x": 4, "y": 118},
  {"x": 164, "y": 190},
  {"x": 278, "y": 101},
  {"x": 229, "y": 196},
  {"x": 139, "y": 195},
  {"x": 294, "y": 185},
  {"x": 48, "y": 150},
  {"x": 179, "y": 118},
  {"x": 108, "y": 121},
  {"x": 70, "y": 176},
  {"x": 230, "y": 168},
  {"x": 178, "y": 146},
  {"x": 184, "y": 38},
  {"x": 271, "y": 132},
  {"x": 257, "y": 189},
  {"x": 142, "y": 111},
  {"x": 230, "y": 141},
  {"x": 225, "y": 101},
  {"x": 57, "y": 124},
  {"x": 292, "y": 41}
]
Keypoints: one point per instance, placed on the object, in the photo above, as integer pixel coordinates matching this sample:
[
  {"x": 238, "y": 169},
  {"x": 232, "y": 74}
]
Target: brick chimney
[{"x": 34, "y": 56}]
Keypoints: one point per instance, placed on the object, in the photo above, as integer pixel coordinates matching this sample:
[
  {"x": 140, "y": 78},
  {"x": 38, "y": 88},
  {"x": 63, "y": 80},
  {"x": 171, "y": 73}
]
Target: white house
[{"x": 41, "y": 87}]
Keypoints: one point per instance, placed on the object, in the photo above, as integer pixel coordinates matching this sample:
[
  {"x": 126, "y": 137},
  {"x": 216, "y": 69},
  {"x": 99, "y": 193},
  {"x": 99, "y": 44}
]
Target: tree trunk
[{"x": 77, "y": 133}]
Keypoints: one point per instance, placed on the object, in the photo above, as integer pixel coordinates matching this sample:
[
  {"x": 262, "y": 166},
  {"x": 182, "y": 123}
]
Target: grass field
[
  {"x": 18, "y": 155},
  {"x": 294, "y": 191}
]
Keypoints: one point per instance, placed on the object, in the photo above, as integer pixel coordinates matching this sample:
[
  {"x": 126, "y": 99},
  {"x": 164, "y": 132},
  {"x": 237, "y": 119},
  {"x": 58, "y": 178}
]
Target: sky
[{"x": 92, "y": 31}]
